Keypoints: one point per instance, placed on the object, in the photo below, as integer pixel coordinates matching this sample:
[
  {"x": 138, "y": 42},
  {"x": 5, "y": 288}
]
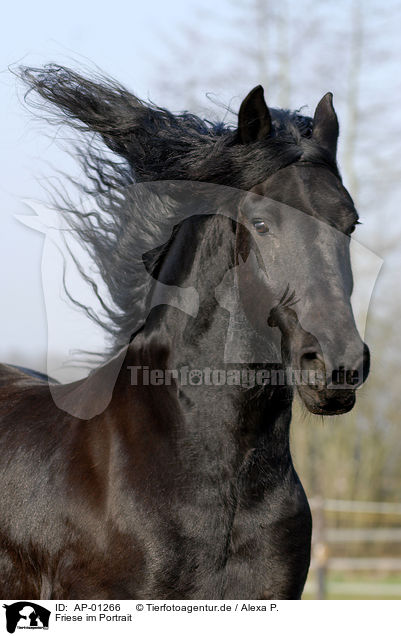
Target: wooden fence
[{"x": 325, "y": 537}]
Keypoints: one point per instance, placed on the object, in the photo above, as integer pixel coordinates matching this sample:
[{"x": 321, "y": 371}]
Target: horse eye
[{"x": 260, "y": 227}]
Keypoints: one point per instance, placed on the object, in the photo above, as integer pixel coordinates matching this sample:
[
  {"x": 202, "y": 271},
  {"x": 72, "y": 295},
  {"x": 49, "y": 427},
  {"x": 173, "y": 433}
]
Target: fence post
[{"x": 320, "y": 549}]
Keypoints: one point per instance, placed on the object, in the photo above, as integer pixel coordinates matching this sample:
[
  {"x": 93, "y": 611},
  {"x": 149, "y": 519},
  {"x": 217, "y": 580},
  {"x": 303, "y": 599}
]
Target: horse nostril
[
  {"x": 312, "y": 368},
  {"x": 311, "y": 355},
  {"x": 311, "y": 358},
  {"x": 348, "y": 376}
]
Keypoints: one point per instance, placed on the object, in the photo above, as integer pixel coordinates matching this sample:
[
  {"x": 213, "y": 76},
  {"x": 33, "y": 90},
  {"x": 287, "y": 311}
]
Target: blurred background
[{"x": 204, "y": 57}]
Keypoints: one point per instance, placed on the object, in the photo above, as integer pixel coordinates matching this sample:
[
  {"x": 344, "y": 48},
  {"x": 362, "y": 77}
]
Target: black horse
[{"x": 181, "y": 488}]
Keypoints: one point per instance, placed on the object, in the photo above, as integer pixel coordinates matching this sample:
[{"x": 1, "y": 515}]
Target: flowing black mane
[
  {"x": 151, "y": 144},
  {"x": 160, "y": 145}
]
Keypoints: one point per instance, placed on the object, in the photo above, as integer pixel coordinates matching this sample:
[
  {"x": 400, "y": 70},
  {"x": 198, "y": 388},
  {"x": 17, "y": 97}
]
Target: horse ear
[
  {"x": 325, "y": 124},
  {"x": 254, "y": 121}
]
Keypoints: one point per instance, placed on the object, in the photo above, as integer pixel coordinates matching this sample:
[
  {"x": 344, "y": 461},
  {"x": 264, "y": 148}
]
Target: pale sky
[{"x": 121, "y": 38}]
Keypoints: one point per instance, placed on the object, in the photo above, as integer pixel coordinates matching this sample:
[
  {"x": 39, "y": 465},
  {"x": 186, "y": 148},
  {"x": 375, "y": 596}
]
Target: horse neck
[{"x": 226, "y": 415}]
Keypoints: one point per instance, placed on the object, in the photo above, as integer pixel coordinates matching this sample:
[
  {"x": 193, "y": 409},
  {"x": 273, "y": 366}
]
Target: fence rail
[
  {"x": 345, "y": 535},
  {"x": 368, "y": 507},
  {"x": 349, "y": 564}
]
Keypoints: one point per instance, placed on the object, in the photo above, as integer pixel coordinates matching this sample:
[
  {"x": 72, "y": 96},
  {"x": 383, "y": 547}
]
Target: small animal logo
[
  {"x": 26, "y": 615},
  {"x": 195, "y": 377}
]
